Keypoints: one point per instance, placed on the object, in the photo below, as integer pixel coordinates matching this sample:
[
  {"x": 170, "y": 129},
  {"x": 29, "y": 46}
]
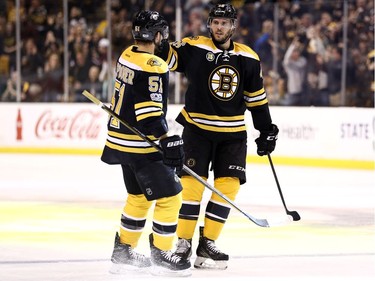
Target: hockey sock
[
  {"x": 217, "y": 210},
  {"x": 133, "y": 219},
  {"x": 164, "y": 223},
  {"x": 192, "y": 193}
]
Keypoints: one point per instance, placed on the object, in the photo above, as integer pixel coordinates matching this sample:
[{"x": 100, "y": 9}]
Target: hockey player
[
  {"x": 224, "y": 80},
  {"x": 140, "y": 98}
]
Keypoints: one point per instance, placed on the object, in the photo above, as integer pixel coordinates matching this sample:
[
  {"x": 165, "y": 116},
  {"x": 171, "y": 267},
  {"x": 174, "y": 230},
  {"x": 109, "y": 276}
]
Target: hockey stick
[
  {"x": 259, "y": 222},
  {"x": 294, "y": 214}
]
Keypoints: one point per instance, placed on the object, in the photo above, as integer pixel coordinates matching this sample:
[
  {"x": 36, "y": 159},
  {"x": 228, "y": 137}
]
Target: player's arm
[
  {"x": 256, "y": 101},
  {"x": 256, "y": 98},
  {"x": 150, "y": 103},
  {"x": 150, "y": 110}
]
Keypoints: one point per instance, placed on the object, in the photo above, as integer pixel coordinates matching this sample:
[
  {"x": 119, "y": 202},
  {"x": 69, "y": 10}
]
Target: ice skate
[
  {"x": 183, "y": 248},
  {"x": 125, "y": 260},
  {"x": 167, "y": 263},
  {"x": 208, "y": 255}
]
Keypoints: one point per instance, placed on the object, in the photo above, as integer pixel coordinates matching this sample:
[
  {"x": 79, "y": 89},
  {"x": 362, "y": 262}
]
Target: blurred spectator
[
  {"x": 79, "y": 70},
  {"x": 52, "y": 83},
  {"x": 10, "y": 93},
  {"x": 55, "y": 24},
  {"x": 100, "y": 58},
  {"x": 264, "y": 11},
  {"x": 121, "y": 31},
  {"x": 317, "y": 77},
  {"x": 12, "y": 11},
  {"x": 9, "y": 43},
  {"x": 76, "y": 39},
  {"x": 37, "y": 12},
  {"x": 295, "y": 67},
  {"x": 334, "y": 71},
  {"x": 76, "y": 18},
  {"x": 32, "y": 62},
  {"x": 264, "y": 44},
  {"x": 318, "y": 82},
  {"x": 37, "y": 15},
  {"x": 247, "y": 30},
  {"x": 359, "y": 90},
  {"x": 195, "y": 24},
  {"x": 92, "y": 84},
  {"x": 52, "y": 44}
]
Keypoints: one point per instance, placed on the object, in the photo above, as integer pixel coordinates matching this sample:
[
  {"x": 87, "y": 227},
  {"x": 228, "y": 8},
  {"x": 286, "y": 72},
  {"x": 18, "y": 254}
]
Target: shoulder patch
[
  {"x": 194, "y": 37},
  {"x": 154, "y": 62}
]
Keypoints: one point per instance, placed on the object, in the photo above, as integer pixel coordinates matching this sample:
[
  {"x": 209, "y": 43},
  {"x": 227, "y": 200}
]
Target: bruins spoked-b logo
[{"x": 223, "y": 82}]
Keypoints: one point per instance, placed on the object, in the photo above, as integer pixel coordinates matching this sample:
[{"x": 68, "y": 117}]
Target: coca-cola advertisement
[
  {"x": 84, "y": 124},
  {"x": 54, "y": 126}
]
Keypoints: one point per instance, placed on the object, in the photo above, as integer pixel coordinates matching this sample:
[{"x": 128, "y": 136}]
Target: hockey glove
[
  {"x": 266, "y": 142},
  {"x": 173, "y": 152}
]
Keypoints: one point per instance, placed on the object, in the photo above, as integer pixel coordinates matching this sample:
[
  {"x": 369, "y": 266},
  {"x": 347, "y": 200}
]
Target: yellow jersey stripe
[
  {"x": 215, "y": 126},
  {"x": 138, "y": 150}
]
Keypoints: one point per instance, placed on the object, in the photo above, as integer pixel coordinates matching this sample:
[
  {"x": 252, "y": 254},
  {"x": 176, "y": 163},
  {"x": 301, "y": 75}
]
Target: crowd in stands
[{"x": 301, "y": 45}]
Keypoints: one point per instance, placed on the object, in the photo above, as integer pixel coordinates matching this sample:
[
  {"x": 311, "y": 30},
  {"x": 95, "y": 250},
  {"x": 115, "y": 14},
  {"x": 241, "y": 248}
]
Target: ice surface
[{"x": 59, "y": 214}]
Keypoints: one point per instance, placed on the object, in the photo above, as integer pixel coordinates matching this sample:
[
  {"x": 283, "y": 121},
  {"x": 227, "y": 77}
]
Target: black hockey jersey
[
  {"x": 223, "y": 84},
  {"x": 140, "y": 99}
]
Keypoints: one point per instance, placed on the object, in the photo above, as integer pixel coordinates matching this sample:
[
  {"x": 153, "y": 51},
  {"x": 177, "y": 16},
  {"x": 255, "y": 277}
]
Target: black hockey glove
[
  {"x": 266, "y": 142},
  {"x": 173, "y": 152}
]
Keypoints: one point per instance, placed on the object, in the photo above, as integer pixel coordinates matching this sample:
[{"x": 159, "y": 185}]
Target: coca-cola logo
[{"x": 83, "y": 125}]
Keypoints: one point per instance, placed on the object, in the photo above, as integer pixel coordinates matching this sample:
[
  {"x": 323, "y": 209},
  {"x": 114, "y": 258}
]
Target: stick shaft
[{"x": 294, "y": 214}]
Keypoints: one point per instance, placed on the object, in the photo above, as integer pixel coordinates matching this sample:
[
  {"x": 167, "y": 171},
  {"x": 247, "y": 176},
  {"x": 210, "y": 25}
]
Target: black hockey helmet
[
  {"x": 147, "y": 24},
  {"x": 223, "y": 11}
]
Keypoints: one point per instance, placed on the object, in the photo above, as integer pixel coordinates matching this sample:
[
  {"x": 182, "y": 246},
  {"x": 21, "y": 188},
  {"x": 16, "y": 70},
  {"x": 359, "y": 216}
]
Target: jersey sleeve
[
  {"x": 256, "y": 98},
  {"x": 175, "y": 53},
  {"x": 150, "y": 103}
]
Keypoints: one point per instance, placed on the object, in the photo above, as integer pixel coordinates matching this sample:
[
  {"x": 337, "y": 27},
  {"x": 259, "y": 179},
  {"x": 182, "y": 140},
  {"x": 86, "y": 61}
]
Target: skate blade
[
  {"x": 162, "y": 271},
  {"x": 206, "y": 263},
  {"x": 127, "y": 269}
]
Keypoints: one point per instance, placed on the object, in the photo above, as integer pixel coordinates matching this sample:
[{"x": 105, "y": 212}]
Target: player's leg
[
  {"x": 229, "y": 172},
  {"x": 160, "y": 183},
  {"x": 161, "y": 239},
  {"x": 217, "y": 212},
  {"x": 192, "y": 194},
  {"x": 133, "y": 220},
  {"x": 198, "y": 151}
]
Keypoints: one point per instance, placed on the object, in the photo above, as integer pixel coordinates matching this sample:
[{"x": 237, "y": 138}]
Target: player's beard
[{"x": 222, "y": 41}]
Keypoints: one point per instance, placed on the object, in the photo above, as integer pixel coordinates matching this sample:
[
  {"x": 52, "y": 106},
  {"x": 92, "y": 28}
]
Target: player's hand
[
  {"x": 173, "y": 152},
  {"x": 266, "y": 142}
]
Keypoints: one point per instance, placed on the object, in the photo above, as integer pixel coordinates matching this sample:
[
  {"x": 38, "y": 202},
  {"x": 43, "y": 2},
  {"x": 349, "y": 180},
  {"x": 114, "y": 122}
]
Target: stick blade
[
  {"x": 259, "y": 222},
  {"x": 91, "y": 97},
  {"x": 294, "y": 215}
]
